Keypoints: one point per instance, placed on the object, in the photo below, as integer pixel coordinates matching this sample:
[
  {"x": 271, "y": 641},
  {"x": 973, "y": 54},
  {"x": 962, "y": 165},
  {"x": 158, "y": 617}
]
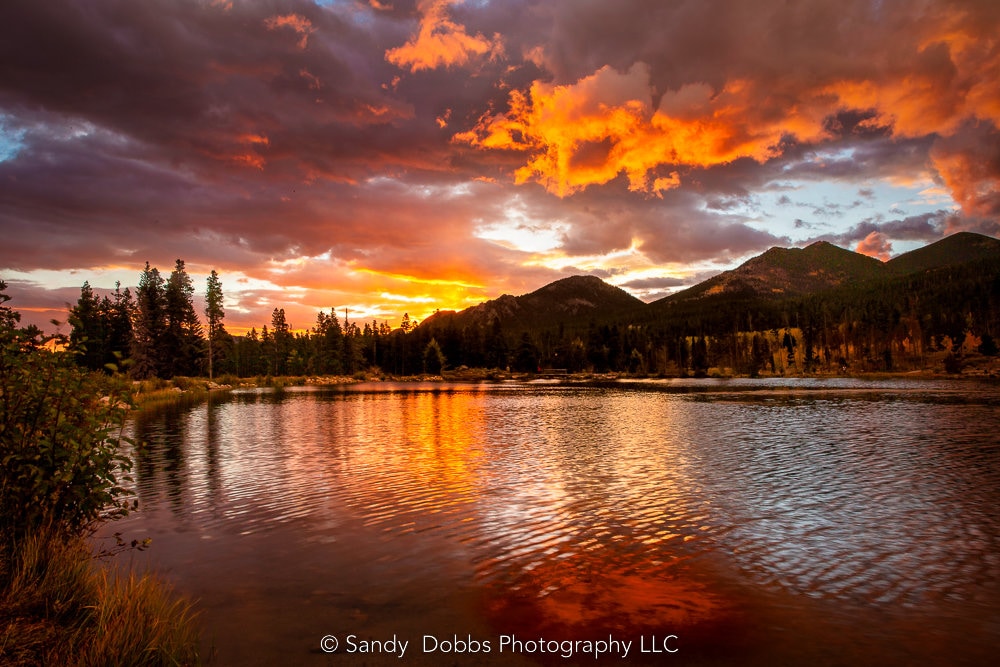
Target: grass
[{"x": 60, "y": 606}]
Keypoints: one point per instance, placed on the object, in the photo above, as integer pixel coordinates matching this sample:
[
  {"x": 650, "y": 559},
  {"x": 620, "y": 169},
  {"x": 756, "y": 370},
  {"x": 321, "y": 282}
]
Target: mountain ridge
[
  {"x": 786, "y": 272},
  {"x": 776, "y": 274},
  {"x": 570, "y": 298}
]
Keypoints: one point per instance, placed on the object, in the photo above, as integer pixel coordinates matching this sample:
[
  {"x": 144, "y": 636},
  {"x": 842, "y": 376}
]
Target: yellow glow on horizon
[{"x": 403, "y": 277}]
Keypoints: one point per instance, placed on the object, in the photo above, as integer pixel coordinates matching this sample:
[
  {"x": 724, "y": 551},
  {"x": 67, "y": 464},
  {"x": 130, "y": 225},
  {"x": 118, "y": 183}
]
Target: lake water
[{"x": 758, "y": 522}]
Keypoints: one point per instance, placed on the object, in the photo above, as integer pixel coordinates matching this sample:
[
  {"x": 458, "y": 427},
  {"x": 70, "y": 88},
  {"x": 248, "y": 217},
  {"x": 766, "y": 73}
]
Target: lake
[{"x": 691, "y": 522}]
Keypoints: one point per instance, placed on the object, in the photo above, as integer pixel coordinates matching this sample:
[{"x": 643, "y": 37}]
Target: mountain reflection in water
[{"x": 784, "y": 522}]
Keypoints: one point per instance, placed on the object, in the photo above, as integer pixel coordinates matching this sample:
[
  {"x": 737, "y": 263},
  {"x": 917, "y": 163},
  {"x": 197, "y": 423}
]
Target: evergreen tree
[
  {"x": 9, "y": 319},
  {"x": 87, "y": 340},
  {"x": 118, "y": 315},
  {"x": 267, "y": 355},
  {"x": 495, "y": 345},
  {"x": 102, "y": 328},
  {"x": 214, "y": 311},
  {"x": 329, "y": 344},
  {"x": 699, "y": 356},
  {"x": 434, "y": 359},
  {"x": 149, "y": 325},
  {"x": 281, "y": 342},
  {"x": 526, "y": 355},
  {"x": 182, "y": 339},
  {"x": 250, "y": 355}
]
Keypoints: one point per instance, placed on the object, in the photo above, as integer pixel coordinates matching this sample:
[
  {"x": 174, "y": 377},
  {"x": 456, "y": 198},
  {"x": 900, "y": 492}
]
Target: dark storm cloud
[{"x": 262, "y": 124}]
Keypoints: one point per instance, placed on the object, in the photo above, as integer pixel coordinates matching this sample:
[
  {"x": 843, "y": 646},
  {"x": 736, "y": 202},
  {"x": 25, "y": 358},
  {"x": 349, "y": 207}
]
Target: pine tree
[
  {"x": 329, "y": 344},
  {"x": 215, "y": 313},
  {"x": 87, "y": 340},
  {"x": 267, "y": 351},
  {"x": 9, "y": 318},
  {"x": 281, "y": 336},
  {"x": 434, "y": 359},
  {"x": 118, "y": 315},
  {"x": 182, "y": 340},
  {"x": 149, "y": 325}
]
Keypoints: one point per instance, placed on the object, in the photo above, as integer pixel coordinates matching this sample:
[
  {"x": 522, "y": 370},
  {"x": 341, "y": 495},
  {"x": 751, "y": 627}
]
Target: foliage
[
  {"x": 526, "y": 355},
  {"x": 149, "y": 325},
  {"x": 182, "y": 341},
  {"x": 9, "y": 317},
  {"x": 102, "y": 328},
  {"x": 219, "y": 341},
  {"x": 61, "y": 470},
  {"x": 60, "y": 462},
  {"x": 434, "y": 359}
]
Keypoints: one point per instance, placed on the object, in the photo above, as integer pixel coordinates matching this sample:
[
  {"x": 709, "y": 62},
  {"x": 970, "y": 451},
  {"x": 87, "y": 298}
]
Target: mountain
[
  {"x": 950, "y": 251},
  {"x": 818, "y": 308},
  {"x": 784, "y": 272},
  {"x": 569, "y": 300},
  {"x": 757, "y": 291}
]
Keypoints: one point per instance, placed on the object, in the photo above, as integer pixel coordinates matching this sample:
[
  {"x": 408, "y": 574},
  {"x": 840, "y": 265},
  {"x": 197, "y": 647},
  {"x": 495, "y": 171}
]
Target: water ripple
[{"x": 603, "y": 504}]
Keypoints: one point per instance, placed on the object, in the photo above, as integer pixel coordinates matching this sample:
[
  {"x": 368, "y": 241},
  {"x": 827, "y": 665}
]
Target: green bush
[
  {"x": 62, "y": 470},
  {"x": 61, "y": 466}
]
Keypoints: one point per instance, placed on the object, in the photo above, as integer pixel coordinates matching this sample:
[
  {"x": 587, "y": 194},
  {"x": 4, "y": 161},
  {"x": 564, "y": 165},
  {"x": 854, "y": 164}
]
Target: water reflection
[{"x": 794, "y": 522}]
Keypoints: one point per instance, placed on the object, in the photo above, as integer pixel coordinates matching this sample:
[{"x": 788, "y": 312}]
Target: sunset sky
[{"x": 395, "y": 156}]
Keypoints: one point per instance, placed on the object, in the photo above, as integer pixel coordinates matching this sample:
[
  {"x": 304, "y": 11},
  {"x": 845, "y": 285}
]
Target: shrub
[
  {"x": 62, "y": 470},
  {"x": 60, "y": 462}
]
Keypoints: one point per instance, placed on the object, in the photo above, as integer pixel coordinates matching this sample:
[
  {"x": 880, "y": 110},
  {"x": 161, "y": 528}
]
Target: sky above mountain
[{"x": 399, "y": 156}]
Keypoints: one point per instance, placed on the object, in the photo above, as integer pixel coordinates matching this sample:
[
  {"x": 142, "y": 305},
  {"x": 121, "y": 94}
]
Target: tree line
[
  {"x": 156, "y": 332},
  {"x": 912, "y": 322},
  {"x": 890, "y": 326}
]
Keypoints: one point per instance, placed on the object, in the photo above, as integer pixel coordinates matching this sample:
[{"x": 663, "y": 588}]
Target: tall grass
[
  {"x": 137, "y": 620},
  {"x": 59, "y": 606}
]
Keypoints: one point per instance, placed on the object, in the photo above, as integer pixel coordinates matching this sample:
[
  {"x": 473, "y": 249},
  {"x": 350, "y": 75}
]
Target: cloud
[
  {"x": 654, "y": 283},
  {"x": 356, "y": 149},
  {"x": 857, "y": 72},
  {"x": 440, "y": 42},
  {"x": 604, "y": 125},
  {"x": 969, "y": 164},
  {"x": 924, "y": 228},
  {"x": 299, "y": 24},
  {"x": 875, "y": 245}
]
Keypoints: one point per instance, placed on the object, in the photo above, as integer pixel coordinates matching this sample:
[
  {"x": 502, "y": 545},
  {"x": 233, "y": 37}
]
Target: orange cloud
[
  {"x": 440, "y": 42},
  {"x": 299, "y": 24},
  {"x": 312, "y": 80},
  {"x": 590, "y": 132},
  {"x": 875, "y": 245},
  {"x": 969, "y": 166},
  {"x": 258, "y": 139},
  {"x": 248, "y": 160}
]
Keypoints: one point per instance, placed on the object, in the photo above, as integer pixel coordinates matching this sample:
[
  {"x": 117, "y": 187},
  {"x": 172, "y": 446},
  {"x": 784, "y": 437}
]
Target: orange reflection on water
[
  {"x": 555, "y": 596},
  {"x": 428, "y": 467}
]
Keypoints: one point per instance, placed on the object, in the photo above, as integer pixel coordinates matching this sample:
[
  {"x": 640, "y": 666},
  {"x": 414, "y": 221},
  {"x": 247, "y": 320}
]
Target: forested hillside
[{"x": 816, "y": 309}]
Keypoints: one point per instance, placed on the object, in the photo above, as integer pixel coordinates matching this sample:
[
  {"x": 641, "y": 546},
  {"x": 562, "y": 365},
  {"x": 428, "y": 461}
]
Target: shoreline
[{"x": 168, "y": 391}]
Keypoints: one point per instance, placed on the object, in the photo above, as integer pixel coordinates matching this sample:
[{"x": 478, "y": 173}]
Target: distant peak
[{"x": 581, "y": 278}]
